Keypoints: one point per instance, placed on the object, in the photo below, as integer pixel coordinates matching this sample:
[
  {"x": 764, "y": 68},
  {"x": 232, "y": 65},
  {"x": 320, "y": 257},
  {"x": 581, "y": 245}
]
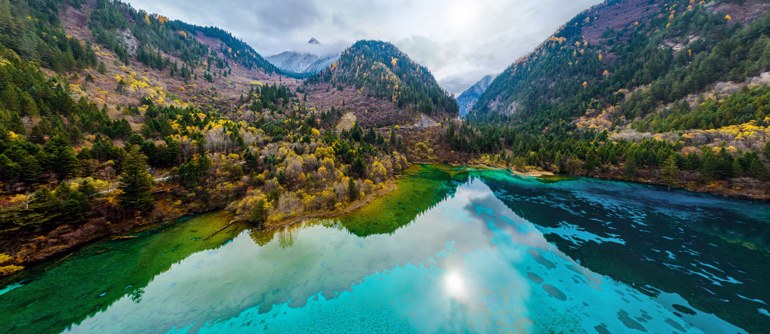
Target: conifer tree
[
  {"x": 135, "y": 182},
  {"x": 352, "y": 190},
  {"x": 61, "y": 158},
  {"x": 259, "y": 213},
  {"x": 74, "y": 204},
  {"x": 670, "y": 170},
  {"x": 87, "y": 188}
]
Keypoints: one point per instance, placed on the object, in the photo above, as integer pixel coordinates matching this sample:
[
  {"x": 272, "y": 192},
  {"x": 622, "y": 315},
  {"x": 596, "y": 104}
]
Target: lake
[{"x": 453, "y": 250}]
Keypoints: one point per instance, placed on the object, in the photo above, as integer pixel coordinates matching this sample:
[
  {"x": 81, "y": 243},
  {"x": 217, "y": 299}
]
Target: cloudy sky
[{"x": 460, "y": 41}]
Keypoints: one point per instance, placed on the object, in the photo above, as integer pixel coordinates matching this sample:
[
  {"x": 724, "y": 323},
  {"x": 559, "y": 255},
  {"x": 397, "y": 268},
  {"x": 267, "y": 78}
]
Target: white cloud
[{"x": 460, "y": 41}]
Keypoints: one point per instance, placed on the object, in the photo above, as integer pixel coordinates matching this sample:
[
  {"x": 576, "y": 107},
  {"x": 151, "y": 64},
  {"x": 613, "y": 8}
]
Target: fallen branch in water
[
  {"x": 123, "y": 237},
  {"x": 223, "y": 228}
]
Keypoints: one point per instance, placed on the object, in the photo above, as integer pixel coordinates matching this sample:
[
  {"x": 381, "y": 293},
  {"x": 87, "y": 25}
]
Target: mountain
[
  {"x": 133, "y": 33},
  {"x": 621, "y": 52},
  {"x": 670, "y": 92},
  {"x": 141, "y": 55},
  {"x": 112, "y": 117},
  {"x": 468, "y": 98},
  {"x": 301, "y": 65},
  {"x": 382, "y": 71}
]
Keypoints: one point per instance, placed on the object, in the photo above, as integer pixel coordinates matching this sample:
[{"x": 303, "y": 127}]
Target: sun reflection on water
[{"x": 455, "y": 285}]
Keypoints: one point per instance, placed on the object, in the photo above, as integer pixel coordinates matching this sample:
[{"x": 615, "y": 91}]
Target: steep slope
[
  {"x": 650, "y": 90},
  {"x": 605, "y": 55},
  {"x": 136, "y": 34},
  {"x": 468, "y": 98},
  {"x": 301, "y": 65},
  {"x": 111, "y": 118},
  {"x": 139, "y": 55},
  {"x": 381, "y": 72}
]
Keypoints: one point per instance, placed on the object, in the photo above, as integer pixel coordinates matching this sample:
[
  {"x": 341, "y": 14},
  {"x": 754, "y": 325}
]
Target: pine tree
[
  {"x": 357, "y": 168},
  {"x": 87, "y": 188},
  {"x": 670, "y": 170},
  {"x": 9, "y": 170},
  {"x": 592, "y": 161},
  {"x": 629, "y": 168},
  {"x": 259, "y": 213},
  {"x": 135, "y": 182},
  {"x": 352, "y": 190},
  {"x": 709, "y": 168},
  {"x": 30, "y": 168},
  {"x": 60, "y": 157},
  {"x": 74, "y": 204},
  {"x": 753, "y": 166}
]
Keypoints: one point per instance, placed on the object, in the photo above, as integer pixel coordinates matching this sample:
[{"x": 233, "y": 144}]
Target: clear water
[{"x": 494, "y": 253}]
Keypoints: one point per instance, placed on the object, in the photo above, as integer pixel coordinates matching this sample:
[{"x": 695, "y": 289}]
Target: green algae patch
[
  {"x": 422, "y": 187},
  {"x": 57, "y": 296}
]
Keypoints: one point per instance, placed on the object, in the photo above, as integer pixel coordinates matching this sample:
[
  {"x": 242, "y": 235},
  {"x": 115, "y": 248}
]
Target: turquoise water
[{"x": 497, "y": 254}]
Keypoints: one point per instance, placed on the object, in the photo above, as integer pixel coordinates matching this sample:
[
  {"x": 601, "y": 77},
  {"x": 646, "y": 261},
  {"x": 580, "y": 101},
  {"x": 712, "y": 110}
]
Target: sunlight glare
[
  {"x": 461, "y": 13},
  {"x": 454, "y": 285}
]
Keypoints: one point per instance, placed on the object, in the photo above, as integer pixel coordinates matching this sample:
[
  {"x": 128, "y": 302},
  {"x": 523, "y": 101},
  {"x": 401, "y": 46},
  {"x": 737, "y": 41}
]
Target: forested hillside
[
  {"x": 112, "y": 118},
  {"x": 380, "y": 70},
  {"x": 671, "y": 91},
  {"x": 129, "y": 32}
]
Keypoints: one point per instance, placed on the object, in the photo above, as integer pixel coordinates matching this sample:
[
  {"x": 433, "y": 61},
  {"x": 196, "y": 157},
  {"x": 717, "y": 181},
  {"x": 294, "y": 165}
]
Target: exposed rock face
[{"x": 468, "y": 98}]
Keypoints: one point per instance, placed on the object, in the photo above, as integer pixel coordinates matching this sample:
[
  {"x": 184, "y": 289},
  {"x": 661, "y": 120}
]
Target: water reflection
[
  {"x": 473, "y": 262},
  {"x": 712, "y": 250},
  {"x": 51, "y": 298},
  {"x": 455, "y": 285},
  {"x": 468, "y": 264}
]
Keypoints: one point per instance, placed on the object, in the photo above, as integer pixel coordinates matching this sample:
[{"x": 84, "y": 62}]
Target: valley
[{"x": 629, "y": 154}]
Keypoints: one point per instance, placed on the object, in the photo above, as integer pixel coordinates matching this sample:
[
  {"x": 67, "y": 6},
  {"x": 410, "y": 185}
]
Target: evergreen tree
[
  {"x": 352, "y": 190},
  {"x": 60, "y": 157},
  {"x": 753, "y": 166},
  {"x": 358, "y": 169},
  {"x": 258, "y": 214},
  {"x": 87, "y": 188},
  {"x": 9, "y": 170},
  {"x": 135, "y": 182},
  {"x": 193, "y": 173},
  {"x": 592, "y": 161},
  {"x": 709, "y": 168},
  {"x": 671, "y": 170},
  {"x": 74, "y": 204},
  {"x": 629, "y": 169}
]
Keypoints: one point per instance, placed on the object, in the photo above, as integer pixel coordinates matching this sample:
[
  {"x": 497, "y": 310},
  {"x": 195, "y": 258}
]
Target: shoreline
[
  {"x": 36, "y": 253},
  {"x": 389, "y": 186},
  {"x": 66, "y": 240},
  {"x": 717, "y": 188}
]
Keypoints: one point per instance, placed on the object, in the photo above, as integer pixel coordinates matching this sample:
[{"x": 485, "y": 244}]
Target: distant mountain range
[
  {"x": 468, "y": 98},
  {"x": 301, "y": 65}
]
